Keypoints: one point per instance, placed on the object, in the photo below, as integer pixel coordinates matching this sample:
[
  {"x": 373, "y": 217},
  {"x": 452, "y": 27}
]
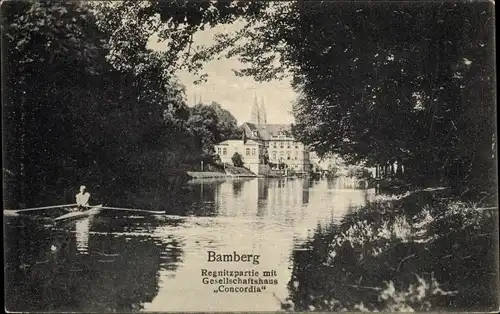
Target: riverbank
[
  {"x": 206, "y": 175},
  {"x": 229, "y": 172},
  {"x": 421, "y": 251},
  {"x": 216, "y": 175}
]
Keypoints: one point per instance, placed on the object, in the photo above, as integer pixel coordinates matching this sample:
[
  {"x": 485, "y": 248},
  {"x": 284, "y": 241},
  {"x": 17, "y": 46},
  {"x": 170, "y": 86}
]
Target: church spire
[
  {"x": 255, "y": 115},
  {"x": 263, "y": 113}
]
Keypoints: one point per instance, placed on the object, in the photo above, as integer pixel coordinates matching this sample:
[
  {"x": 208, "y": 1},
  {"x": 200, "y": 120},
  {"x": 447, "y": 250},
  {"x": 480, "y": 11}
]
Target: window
[
  {"x": 224, "y": 151},
  {"x": 296, "y": 145},
  {"x": 288, "y": 146},
  {"x": 253, "y": 151},
  {"x": 281, "y": 145},
  {"x": 274, "y": 144},
  {"x": 296, "y": 154},
  {"x": 218, "y": 150},
  {"x": 274, "y": 156},
  {"x": 247, "y": 151},
  {"x": 287, "y": 156}
]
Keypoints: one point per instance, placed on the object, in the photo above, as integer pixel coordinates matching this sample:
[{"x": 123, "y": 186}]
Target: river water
[{"x": 122, "y": 261}]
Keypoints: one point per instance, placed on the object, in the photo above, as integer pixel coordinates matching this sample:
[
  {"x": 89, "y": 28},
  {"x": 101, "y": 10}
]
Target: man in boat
[{"x": 82, "y": 198}]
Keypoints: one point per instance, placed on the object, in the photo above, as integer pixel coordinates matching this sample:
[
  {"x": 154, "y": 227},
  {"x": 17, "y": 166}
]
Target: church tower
[
  {"x": 259, "y": 115},
  {"x": 255, "y": 115},
  {"x": 262, "y": 113}
]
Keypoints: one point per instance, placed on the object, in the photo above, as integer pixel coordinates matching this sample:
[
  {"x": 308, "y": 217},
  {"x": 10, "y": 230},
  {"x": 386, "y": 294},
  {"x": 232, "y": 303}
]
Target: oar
[
  {"x": 39, "y": 208},
  {"x": 135, "y": 210}
]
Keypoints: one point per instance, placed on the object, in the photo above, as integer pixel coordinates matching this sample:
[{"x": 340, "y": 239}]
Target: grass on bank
[{"x": 422, "y": 252}]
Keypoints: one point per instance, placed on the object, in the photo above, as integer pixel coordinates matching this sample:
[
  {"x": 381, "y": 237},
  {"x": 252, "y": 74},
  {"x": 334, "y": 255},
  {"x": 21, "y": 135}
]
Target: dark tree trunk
[{"x": 399, "y": 170}]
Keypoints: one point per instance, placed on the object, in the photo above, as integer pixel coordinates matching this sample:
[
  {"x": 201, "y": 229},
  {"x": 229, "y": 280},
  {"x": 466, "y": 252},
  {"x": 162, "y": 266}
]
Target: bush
[
  {"x": 237, "y": 160},
  {"x": 391, "y": 256},
  {"x": 359, "y": 172}
]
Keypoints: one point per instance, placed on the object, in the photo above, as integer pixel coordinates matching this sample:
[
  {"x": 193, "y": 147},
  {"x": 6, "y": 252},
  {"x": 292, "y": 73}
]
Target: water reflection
[
  {"x": 305, "y": 192},
  {"x": 82, "y": 229},
  {"x": 119, "y": 262},
  {"x": 268, "y": 217},
  {"x": 84, "y": 267}
]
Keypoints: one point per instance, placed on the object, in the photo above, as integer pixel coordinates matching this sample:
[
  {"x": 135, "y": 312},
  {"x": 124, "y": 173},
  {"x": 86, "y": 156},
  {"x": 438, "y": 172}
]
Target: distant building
[
  {"x": 265, "y": 143},
  {"x": 258, "y": 115},
  {"x": 249, "y": 150},
  {"x": 327, "y": 163},
  {"x": 279, "y": 145}
]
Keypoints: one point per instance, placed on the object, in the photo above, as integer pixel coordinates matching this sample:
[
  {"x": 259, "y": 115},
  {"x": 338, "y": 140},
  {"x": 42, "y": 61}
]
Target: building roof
[
  {"x": 265, "y": 132},
  {"x": 233, "y": 142}
]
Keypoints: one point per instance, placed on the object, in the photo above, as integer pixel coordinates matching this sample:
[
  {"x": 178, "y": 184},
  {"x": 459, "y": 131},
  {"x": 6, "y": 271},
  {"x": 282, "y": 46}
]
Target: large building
[
  {"x": 278, "y": 145},
  {"x": 250, "y": 151},
  {"x": 264, "y": 143}
]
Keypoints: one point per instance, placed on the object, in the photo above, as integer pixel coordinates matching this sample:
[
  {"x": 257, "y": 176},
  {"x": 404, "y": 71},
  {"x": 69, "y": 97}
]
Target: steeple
[
  {"x": 255, "y": 115},
  {"x": 263, "y": 114}
]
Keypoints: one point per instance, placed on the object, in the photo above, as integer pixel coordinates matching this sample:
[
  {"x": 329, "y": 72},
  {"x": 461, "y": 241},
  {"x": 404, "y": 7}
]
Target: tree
[
  {"x": 202, "y": 123},
  {"x": 237, "y": 160},
  {"x": 74, "y": 116},
  {"x": 86, "y": 99},
  {"x": 174, "y": 22},
  {"x": 227, "y": 125},
  {"x": 42, "y": 70},
  {"x": 209, "y": 125}
]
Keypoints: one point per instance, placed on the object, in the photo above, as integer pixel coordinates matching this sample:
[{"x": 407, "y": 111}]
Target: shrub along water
[{"x": 421, "y": 252}]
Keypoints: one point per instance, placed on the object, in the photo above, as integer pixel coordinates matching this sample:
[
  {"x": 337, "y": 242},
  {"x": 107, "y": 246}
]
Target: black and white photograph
[{"x": 237, "y": 156}]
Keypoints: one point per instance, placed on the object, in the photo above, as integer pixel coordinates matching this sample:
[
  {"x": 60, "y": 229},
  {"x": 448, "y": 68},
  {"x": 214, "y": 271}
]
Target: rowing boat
[
  {"x": 94, "y": 210},
  {"x": 10, "y": 213}
]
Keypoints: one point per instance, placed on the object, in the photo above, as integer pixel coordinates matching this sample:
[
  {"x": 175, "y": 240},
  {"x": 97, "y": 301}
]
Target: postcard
[{"x": 236, "y": 156}]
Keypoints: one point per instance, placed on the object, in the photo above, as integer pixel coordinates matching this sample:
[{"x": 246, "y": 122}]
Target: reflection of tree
[
  {"x": 195, "y": 198},
  {"x": 263, "y": 196},
  {"x": 331, "y": 183},
  {"x": 305, "y": 192},
  {"x": 281, "y": 183},
  {"x": 237, "y": 187},
  {"x": 120, "y": 273},
  {"x": 25, "y": 243},
  {"x": 310, "y": 182},
  {"x": 263, "y": 189}
]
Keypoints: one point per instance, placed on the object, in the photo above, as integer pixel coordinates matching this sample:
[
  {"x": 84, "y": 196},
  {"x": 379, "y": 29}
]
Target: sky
[{"x": 233, "y": 93}]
